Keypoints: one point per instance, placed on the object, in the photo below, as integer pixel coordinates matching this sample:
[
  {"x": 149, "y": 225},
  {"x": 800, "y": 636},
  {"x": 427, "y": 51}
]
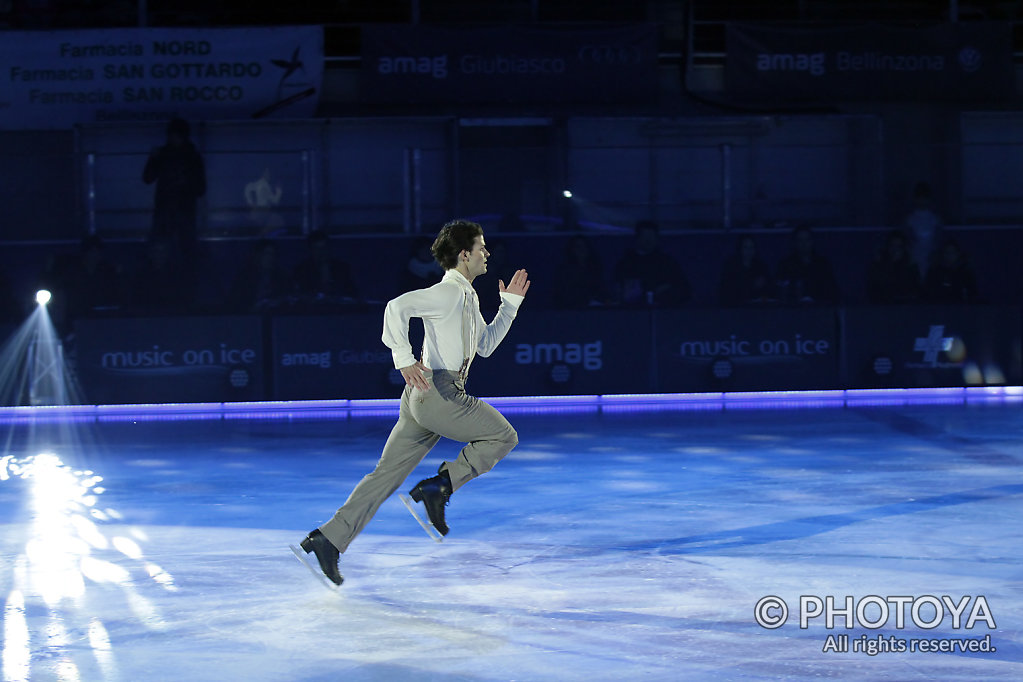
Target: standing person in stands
[
  {"x": 434, "y": 402},
  {"x": 178, "y": 170}
]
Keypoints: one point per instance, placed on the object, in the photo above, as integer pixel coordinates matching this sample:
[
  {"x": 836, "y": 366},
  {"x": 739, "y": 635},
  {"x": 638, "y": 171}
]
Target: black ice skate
[
  {"x": 434, "y": 493},
  {"x": 326, "y": 555}
]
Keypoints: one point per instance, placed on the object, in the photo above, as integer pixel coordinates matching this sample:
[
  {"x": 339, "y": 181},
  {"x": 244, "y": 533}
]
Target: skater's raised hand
[
  {"x": 414, "y": 376},
  {"x": 519, "y": 283}
]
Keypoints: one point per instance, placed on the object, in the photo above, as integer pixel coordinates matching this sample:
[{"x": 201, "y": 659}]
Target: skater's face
[{"x": 474, "y": 262}]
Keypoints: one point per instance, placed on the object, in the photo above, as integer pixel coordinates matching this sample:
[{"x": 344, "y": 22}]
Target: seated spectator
[
  {"x": 579, "y": 281},
  {"x": 91, "y": 282},
  {"x": 924, "y": 227},
  {"x": 951, "y": 279},
  {"x": 321, "y": 277},
  {"x": 646, "y": 275},
  {"x": 745, "y": 277},
  {"x": 421, "y": 269},
  {"x": 262, "y": 283},
  {"x": 805, "y": 276},
  {"x": 163, "y": 283},
  {"x": 893, "y": 276},
  {"x": 83, "y": 283}
]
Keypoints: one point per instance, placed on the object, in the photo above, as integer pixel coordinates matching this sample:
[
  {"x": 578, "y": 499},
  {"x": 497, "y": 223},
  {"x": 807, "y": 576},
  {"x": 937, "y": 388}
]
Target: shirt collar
[{"x": 459, "y": 279}]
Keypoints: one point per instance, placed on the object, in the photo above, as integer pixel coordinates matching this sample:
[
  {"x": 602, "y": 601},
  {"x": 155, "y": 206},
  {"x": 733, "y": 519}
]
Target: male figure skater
[{"x": 434, "y": 402}]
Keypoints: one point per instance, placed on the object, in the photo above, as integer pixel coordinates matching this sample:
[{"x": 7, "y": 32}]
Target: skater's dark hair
[{"x": 454, "y": 237}]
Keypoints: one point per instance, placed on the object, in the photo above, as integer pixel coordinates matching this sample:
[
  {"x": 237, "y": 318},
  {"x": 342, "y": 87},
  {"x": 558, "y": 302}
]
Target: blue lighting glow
[{"x": 334, "y": 409}]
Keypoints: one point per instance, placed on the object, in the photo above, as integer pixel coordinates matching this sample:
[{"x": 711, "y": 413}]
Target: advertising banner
[
  {"x": 961, "y": 61},
  {"x": 57, "y": 79},
  {"x": 931, "y": 346},
  {"x": 402, "y": 63},
  {"x": 746, "y": 350},
  {"x": 568, "y": 353},
  {"x": 169, "y": 360},
  {"x": 327, "y": 357},
  {"x": 544, "y": 354}
]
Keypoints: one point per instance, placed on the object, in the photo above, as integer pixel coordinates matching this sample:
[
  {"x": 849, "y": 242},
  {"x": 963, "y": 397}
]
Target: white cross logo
[{"x": 934, "y": 341}]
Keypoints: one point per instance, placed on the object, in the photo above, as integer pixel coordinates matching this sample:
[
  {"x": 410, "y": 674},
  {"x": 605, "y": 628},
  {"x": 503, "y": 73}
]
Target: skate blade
[
  {"x": 428, "y": 527},
  {"x": 304, "y": 558}
]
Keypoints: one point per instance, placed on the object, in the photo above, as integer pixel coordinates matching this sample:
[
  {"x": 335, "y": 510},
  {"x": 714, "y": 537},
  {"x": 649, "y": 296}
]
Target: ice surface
[{"x": 624, "y": 546}]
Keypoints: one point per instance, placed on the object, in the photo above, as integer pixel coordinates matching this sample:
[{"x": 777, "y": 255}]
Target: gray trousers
[{"x": 445, "y": 410}]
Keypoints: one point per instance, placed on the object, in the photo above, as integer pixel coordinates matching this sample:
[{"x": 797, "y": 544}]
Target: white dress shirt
[{"x": 455, "y": 329}]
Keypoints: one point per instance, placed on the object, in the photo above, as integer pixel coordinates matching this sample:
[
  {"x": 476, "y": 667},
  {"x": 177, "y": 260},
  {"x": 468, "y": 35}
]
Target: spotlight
[
  {"x": 42, "y": 297},
  {"x": 567, "y": 194}
]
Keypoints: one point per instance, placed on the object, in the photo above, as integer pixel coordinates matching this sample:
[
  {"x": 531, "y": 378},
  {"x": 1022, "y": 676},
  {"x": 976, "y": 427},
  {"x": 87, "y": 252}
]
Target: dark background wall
[{"x": 706, "y": 163}]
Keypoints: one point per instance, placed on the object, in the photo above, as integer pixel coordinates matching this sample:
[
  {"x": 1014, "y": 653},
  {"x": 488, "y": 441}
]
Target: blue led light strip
[{"x": 531, "y": 404}]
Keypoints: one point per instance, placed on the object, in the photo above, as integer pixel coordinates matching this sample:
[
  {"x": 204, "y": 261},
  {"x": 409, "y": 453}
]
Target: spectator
[
  {"x": 180, "y": 176},
  {"x": 82, "y": 282},
  {"x": 646, "y": 275},
  {"x": 924, "y": 227},
  {"x": 805, "y": 276},
  {"x": 893, "y": 276},
  {"x": 261, "y": 283},
  {"x": 162, "y": 283},
  {"x": 580, "y": 277},
  {"x": 745, "y": 277},
  {"x": 951, "y": 279},
  {"x": 321, "y": 277},
  {"x": 421, "y": 269},
  {"x": 89, "y": 282}
]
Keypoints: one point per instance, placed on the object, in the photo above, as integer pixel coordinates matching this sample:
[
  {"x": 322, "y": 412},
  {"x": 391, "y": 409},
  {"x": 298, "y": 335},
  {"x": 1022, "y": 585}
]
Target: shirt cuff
[
  {"x": 402, "y": 358},
  {"x": 514, "y": 300}
]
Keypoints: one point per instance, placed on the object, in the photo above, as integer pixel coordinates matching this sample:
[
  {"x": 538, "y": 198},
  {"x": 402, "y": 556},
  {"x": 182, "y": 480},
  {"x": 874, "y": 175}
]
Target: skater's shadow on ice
[{"x": 794, "y": 529}]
